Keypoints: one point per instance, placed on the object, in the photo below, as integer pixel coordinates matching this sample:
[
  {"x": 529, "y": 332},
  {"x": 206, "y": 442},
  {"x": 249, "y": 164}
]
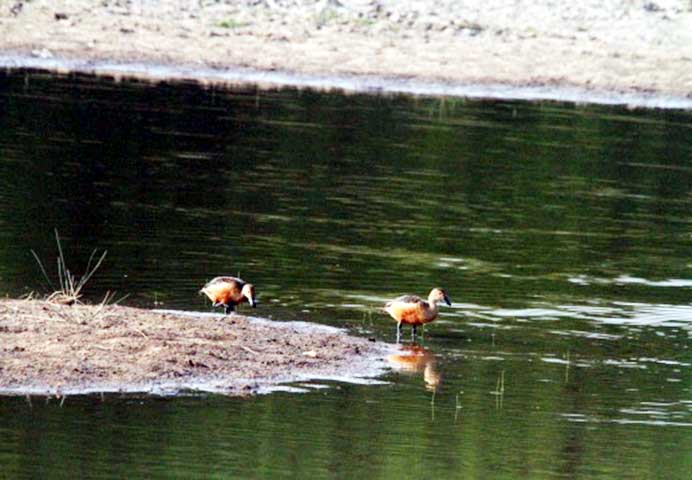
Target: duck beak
[
  {"x": 252, "y": 302},
  {"x": 447, "y": 301}
]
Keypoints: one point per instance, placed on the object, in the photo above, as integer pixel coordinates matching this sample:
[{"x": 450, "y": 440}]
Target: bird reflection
[{"x": 416, "y": 359}]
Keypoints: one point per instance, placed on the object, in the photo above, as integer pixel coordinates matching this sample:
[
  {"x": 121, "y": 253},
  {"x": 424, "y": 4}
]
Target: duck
[
  {"x": 229, "y": 292},
  {"x": 413, "y": 310}
]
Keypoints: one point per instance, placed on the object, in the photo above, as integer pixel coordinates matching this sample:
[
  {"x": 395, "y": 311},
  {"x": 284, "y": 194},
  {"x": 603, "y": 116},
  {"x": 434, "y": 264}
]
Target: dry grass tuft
[{"x": 71, "y": 286}]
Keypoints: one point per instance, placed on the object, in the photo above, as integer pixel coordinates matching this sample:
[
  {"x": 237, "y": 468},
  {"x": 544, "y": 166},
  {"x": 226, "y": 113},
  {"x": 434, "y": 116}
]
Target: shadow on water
[{"x": 562, "y": 232}]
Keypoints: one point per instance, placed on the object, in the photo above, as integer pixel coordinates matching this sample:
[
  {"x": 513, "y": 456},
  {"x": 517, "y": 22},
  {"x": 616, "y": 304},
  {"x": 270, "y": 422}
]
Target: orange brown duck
[
  {"x": 229, "y": 292},
  {"x": 413, "y": 310}
]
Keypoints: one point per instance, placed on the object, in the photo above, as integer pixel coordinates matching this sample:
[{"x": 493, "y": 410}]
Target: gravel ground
[{"x": 618, "y": 46}]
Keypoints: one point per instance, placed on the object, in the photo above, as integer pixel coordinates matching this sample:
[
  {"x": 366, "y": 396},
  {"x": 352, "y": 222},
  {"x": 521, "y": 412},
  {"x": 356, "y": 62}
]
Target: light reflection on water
[{"x": 561, "y": 233}]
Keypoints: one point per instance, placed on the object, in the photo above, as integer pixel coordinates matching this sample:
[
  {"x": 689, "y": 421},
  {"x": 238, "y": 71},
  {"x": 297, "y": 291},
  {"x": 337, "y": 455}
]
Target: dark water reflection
[{"x": 562, "y": 233}]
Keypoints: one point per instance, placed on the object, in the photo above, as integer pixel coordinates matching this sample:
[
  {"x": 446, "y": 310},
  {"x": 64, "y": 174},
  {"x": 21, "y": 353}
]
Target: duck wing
[
  {"x": 233, "y": 282},
  {"x": 413, "y": 299}
]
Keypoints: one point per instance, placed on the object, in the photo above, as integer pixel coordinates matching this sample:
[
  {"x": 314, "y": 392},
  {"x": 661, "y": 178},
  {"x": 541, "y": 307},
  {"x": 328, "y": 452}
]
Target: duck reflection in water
[{"x": 414, "y": 359}]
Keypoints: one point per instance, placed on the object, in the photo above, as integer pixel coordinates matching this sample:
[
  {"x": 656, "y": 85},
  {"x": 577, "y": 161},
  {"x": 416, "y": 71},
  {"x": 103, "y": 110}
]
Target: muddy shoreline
[
  {"x": 349, "y": 84},
  {"x": 50, "y": 349},
  {"x": 637, "y": 53}
]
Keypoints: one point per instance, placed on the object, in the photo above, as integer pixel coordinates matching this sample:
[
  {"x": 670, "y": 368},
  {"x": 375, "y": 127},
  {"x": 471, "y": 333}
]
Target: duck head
[
  {"x": 248, "y": 292},
  {"x": 439, "y": 295}
]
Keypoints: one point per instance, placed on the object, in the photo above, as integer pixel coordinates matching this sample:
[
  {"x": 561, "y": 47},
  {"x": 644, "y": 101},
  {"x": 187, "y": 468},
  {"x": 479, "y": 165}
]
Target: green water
[{"x": 562, "y": 233}]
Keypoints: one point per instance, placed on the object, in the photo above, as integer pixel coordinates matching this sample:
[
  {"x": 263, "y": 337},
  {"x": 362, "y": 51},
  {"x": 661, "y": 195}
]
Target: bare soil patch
[
  {"x": 617, "y": 46},
  {"x": 46, "y": 348}
]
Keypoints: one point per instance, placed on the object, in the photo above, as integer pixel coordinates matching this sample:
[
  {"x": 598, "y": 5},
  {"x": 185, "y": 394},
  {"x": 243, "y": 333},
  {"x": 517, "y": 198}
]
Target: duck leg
[
  {"x": 414, "y": 330},
  {"x": 229, "y": 308},
  {"x": 399, "y": 330}
]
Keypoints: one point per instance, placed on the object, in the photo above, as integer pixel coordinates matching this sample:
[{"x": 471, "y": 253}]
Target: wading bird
[
  {"x": 229, "y": 292},
  {"x": 413, "y": 310}
]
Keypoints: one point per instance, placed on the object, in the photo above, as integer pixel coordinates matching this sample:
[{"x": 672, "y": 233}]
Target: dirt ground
[
  {"x": 616, "y": 46},
  {"x": 46, "y": 348}
]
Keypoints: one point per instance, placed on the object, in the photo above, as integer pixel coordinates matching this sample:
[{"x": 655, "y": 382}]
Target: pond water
[{"x": 562, "y": 233}]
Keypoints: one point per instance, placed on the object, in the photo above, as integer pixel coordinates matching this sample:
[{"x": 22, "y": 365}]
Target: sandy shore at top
[
  {"x": 47, "y": 348},
  {"x": 619, "y": 47}
]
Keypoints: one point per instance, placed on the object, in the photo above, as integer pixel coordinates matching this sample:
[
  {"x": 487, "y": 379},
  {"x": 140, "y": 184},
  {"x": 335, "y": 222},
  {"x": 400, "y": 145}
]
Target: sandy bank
[
  {"x": 615, "y": 49},
  {"x": 56, "y": 349}
]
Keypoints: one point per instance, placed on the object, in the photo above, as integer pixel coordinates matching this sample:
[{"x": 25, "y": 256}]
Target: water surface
[{"x": 561, "y": 232}]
